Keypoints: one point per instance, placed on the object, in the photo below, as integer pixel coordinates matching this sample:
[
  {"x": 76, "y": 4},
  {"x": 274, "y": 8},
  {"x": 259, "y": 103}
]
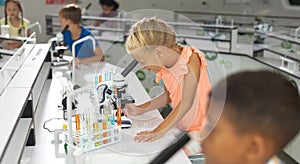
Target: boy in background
[
  {"x": 84, "y": 53},
  {"x": 261, "y": 115}
]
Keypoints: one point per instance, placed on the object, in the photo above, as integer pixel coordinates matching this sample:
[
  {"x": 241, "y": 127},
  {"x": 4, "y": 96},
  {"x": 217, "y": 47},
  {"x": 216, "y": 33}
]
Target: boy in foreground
[{"x": 261, "y": 116}]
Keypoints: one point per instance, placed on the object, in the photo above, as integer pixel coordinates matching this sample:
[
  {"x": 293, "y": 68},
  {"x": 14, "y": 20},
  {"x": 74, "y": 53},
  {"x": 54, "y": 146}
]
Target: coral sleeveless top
[{"x": 174, "y": 81}]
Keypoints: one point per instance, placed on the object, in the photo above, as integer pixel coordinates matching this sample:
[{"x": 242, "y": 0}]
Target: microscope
[
  {"x": 57, "y": 48},
  {"x": 119, "y": 82},
  {"x": 120, "y": 85},
  {"x": 84, "y": 12},
  {"x": 118, "y": 95}
]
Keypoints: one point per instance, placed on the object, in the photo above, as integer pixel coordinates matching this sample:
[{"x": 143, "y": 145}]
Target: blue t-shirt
[{"x": 84, "y": 49}]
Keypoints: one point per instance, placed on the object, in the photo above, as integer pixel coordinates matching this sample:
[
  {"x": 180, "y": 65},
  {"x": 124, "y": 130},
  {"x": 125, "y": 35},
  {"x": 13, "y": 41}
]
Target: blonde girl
[{"x": 153, "y": 44}]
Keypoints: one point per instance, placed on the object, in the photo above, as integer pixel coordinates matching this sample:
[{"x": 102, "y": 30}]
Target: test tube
[
  {"x": 115, "y": 90},
  {"x": 111, "y": 118},
  {"x": 77, "y": 121},
  {"x": 119, "y": 121},
  {"x": 104, "y": 127},
  {"x": 100, "y": 78},
  {"x": 96, "y": 136},
  {"x": 83, "y": 136},
  {"x": 96, "y": 80},
  {"x": 111, "y": 75},
  {"x": 88, "y": 122},
  {"x": 65, "y": 127},
  {"x": 104, "y": 122},
  {"x": 106, "y": 76}
]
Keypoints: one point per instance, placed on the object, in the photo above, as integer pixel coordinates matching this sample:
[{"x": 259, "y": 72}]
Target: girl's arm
[
  {"x": 28, "y": 33},
  {"x": 153, "y": 104},
  {"x": 188, "y": 94},
  {"x": 96, "y": 58}
]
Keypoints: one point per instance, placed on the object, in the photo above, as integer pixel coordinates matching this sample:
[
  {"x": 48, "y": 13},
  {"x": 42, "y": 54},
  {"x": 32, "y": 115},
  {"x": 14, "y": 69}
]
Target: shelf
[
  {"x": 272, "y": 44},
  {"x": 18, "y": 38},
  {"x": 17, "y": 142},
  {"x": 279, "y": 51},
  {"x": 202, "y": 37},
  {"x": 280, "y": 37},
  {"x": 237, "y": 14},
  {"x": 275, "y": 63},
  {"x": 7, "y": 52},
  {"x": 39, "y": 84},
  {"x": 12, "y": 101},
  {"x": 110, "y": 39},
  {"x": 15, "y": 100},
  {"x": 104, "y": 29}
]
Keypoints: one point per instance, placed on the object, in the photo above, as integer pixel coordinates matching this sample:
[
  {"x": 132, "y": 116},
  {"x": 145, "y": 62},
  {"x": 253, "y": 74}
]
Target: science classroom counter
[
  {"x": 19, "y": 100},
  {"x": 126, "y": 151}
]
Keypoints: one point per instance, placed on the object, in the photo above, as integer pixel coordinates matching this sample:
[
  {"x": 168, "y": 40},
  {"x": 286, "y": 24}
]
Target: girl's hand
[
  {"x": 132, "y": 110},
  {"x": 77, "y": 61},
  {"x": 149, "y": 136}
]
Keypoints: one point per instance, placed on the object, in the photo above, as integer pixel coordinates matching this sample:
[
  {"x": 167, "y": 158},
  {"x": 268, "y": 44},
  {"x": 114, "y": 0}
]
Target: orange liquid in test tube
[
  {"x": 119, "y": 121},
  {"x": 100, "y": 79},
  {"x": 115, "y": 90},
  {"x": 77, "y": 121},
  {"x": 104, "y": 127}
]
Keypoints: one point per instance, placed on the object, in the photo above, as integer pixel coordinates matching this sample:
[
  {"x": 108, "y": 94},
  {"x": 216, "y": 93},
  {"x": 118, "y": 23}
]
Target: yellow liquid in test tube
[{"x": 97, "y": 136}]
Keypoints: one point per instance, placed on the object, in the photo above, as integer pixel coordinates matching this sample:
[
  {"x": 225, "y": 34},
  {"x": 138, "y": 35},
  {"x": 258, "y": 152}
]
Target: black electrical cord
[
  {"x": 103, "y": 91},
  {"x": 45, "y": 122},
  {"x": 168, "y": 152}
]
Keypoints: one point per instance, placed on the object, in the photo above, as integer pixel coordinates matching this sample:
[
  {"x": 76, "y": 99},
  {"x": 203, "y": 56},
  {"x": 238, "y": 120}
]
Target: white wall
[{"x": 35, "y": 10}]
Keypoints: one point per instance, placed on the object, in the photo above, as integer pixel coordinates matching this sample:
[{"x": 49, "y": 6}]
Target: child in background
[
  {"x": 84, "y": 53},
  {"x": 109, "y": 8},
  {"x": 13, "y": 10},
  {"x": 183, "y": 70},
  {"x": 261, "y": 115}
]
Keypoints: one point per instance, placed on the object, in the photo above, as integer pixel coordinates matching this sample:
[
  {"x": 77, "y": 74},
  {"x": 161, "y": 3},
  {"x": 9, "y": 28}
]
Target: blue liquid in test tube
[
  {"x": 111, "y": 75},
  {"x": 96, "y": 80},
  {"x": 106, "y": 76}
]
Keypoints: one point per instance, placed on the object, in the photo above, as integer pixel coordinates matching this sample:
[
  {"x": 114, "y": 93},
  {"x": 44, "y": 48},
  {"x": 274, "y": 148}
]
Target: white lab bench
[
  {"x": 19, "y": 101},
  {"x": 126, "y": 151}
]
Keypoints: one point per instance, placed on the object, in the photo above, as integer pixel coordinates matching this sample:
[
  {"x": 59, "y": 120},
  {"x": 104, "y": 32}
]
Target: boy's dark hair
[
  {"x": 109, "y": 3},
  {"x": 263, "y": 102},
  {"x": 71, "y": 12}
]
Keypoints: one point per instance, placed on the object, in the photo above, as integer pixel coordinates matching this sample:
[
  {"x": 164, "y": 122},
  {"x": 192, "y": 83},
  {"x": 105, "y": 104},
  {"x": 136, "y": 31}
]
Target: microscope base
[{"x": 60, "y": 62}]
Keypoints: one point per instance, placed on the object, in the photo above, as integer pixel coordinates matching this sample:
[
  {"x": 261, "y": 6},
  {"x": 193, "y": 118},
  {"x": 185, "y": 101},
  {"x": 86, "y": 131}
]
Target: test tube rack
[
  {"x": 94, "y": 135},
  {"x": 84, "y": 141}
]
